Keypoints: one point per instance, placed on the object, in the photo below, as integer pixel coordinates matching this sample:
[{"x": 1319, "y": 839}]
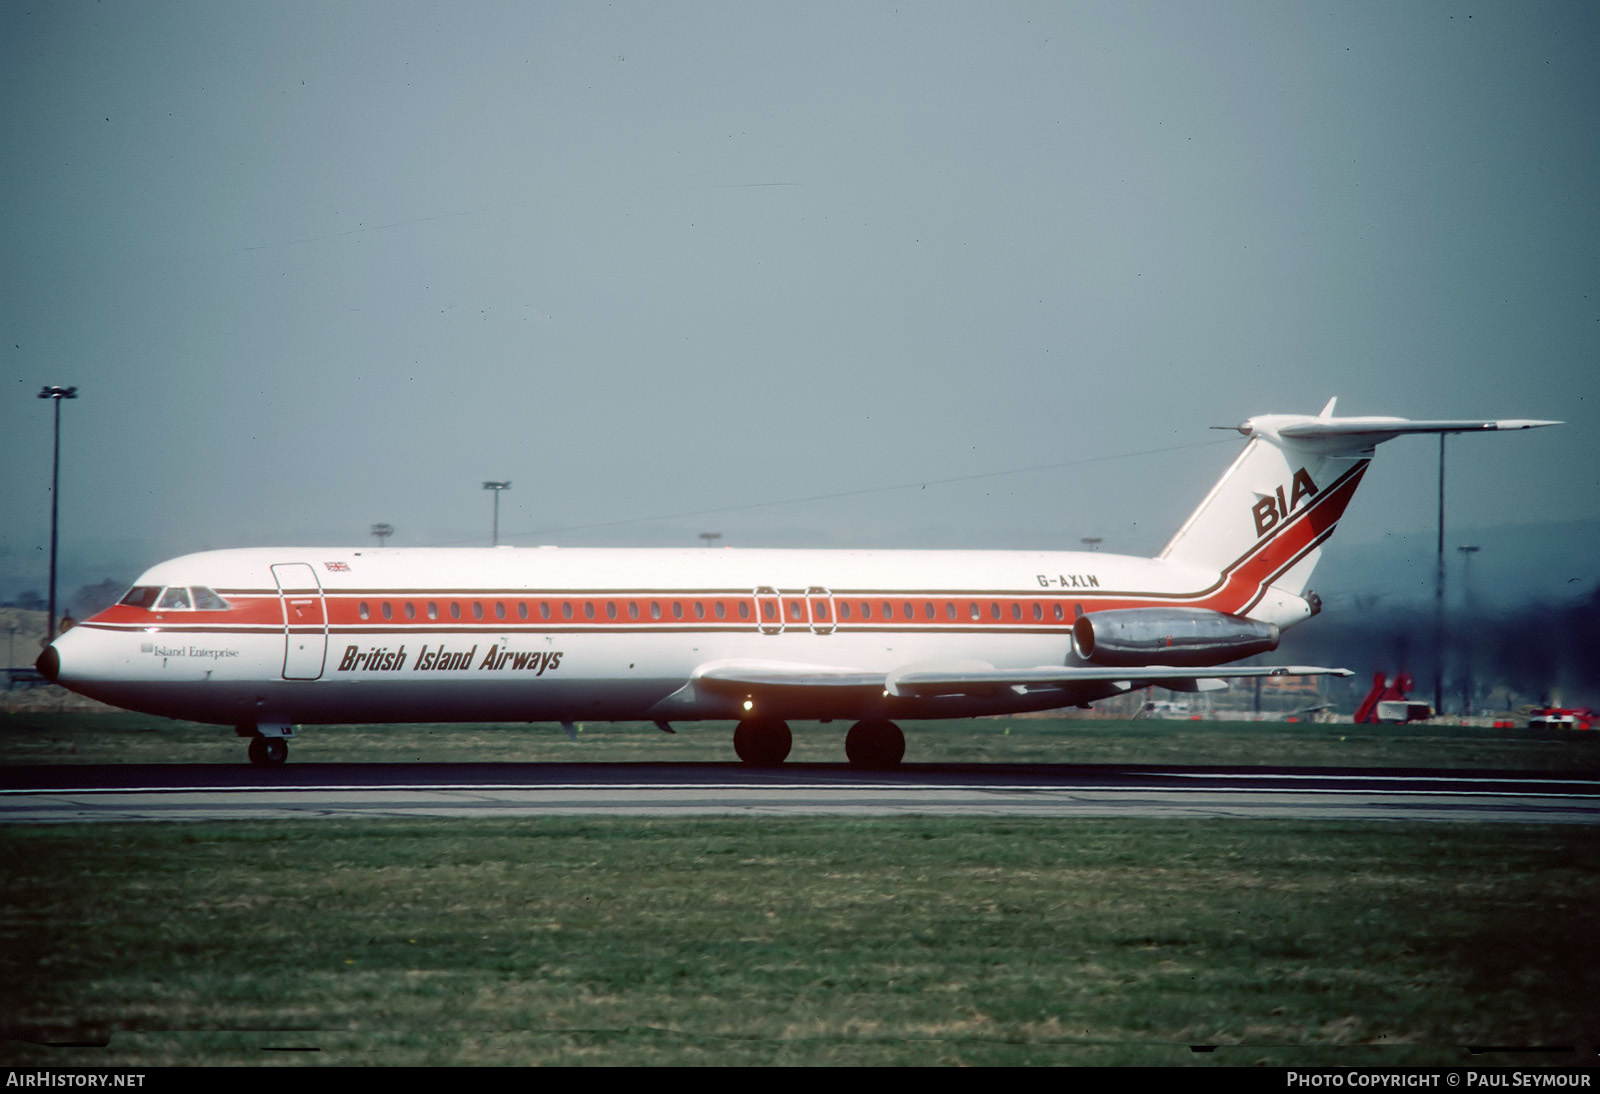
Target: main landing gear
[
  {"x": 268, "y": 751},
  {"x": 762, "y": 742},
  {"x": 874, "y": 744}
]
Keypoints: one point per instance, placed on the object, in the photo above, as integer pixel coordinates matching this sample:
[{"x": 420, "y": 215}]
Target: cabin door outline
[{"x": 305, "y": 620}]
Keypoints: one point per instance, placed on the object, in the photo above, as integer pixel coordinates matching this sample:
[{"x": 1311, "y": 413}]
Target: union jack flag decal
[{"x": 338, "y": 567}]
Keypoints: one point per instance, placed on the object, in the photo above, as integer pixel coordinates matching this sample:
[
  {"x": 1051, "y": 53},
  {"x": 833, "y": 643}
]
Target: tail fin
[{"x": 1263, "y": 525}]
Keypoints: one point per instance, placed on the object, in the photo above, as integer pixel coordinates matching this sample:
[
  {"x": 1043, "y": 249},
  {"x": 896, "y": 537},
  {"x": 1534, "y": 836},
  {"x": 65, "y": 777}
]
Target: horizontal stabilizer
[
  {"x": 1359, "y": 434},
  {"x": 1263, "y": 525}
]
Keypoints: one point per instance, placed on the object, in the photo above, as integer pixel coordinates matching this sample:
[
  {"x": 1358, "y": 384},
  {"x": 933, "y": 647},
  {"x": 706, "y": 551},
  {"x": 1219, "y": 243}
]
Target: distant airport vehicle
[
  {"x": 265, "y": 639},
  {"x": 1390, "y": 702},
  {"x": 1561, "y": 718}
]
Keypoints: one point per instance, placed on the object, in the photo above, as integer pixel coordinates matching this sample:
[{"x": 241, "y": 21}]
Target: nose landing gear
[
  {"x": 269, "y": 742},
  {"x": 268, "y": 751}
]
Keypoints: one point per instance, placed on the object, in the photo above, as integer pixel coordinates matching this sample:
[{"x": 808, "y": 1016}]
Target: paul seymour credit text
[{"x": 1467, "y": 1079}]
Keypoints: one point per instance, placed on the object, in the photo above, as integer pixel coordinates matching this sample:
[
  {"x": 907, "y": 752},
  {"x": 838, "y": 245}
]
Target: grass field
[
  {"x": 817, "y": 941},
  {"x": 924, "y": 941},
  {"x": 50, "y": 738}
]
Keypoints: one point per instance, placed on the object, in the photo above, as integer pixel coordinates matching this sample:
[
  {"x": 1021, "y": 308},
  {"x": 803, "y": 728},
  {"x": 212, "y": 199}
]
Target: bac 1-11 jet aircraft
[{"x": 265, "y": 639}]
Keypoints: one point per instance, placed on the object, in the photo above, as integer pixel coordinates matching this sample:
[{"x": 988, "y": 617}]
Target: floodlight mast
[
  {"x": 55, "y": 395},
  {"x": 494, "y": 540},
  {"x": 1467, "y": 551}
]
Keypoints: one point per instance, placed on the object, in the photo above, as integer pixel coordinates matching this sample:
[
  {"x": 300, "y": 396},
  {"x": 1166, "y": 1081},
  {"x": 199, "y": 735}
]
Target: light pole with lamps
[
  {"x": 496, "y": 487},
  {"x": 1467, "y": 551},
  {"x": 55, "y": 395}
]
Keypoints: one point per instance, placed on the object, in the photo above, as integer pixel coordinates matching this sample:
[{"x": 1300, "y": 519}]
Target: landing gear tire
[
  {"x": 268, "y": 751},
  {"x": 875, "y": 744},
  {"x": 763, "y": 742}
]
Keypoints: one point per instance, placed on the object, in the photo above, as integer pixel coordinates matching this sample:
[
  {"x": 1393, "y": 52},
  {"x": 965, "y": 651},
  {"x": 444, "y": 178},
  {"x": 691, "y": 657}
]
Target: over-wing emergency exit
[{"x": 267, "y": 639}]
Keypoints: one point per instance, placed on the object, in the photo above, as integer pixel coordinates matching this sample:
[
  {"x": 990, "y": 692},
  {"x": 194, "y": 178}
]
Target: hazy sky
[{"x": 319, "y": 265}]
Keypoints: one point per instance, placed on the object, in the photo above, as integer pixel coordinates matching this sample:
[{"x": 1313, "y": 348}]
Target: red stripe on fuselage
[{"x": 1239, "y": 586}]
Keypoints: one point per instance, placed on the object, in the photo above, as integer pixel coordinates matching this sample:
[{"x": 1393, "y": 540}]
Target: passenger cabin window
[{"x": 363, "y": 611}]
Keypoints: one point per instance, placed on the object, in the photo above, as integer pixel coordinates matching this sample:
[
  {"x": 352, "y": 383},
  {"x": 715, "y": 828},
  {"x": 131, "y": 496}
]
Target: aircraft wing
[
  {"x": 742, "y": 676},
  {"x": 965, "y": 678},
  {"x": 946, "y": 682}
]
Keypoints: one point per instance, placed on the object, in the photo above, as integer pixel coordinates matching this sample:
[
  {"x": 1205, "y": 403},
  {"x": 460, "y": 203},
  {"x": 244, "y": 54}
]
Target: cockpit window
[
  {"x": 141, "y": 596},
  {"x": 207, "y": 601},
  {"x": 175, "y": 597}
]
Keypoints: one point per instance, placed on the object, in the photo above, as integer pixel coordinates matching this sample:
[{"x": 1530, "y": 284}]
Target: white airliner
[{"x": 265, "y": 639}]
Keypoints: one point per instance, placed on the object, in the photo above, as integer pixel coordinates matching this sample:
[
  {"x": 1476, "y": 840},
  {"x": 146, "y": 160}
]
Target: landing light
[{"x": 748, "y": 705}]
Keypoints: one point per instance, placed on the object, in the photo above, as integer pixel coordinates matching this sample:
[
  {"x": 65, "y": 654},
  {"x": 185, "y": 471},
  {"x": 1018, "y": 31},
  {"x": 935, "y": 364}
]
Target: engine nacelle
[{"x": 1185, "y": 637}]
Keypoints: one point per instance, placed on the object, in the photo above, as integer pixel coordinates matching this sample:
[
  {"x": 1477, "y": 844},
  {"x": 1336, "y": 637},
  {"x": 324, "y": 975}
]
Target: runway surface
[{"x": 179, "y": 792}]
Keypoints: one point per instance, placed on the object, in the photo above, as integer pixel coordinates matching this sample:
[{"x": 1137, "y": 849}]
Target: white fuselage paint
[
  {"x": 314, "y": 635},
  {"x": 340, "y": 660}
]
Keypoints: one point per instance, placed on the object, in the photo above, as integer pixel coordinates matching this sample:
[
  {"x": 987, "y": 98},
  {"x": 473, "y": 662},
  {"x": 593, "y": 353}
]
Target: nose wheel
[{"x": 268, "y": 751}]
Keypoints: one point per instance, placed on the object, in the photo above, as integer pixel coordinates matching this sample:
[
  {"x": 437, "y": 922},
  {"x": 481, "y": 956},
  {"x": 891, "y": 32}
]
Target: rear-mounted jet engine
[{"x": 1170, "y": 636}]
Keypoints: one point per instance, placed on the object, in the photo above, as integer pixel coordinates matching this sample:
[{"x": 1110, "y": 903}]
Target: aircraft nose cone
[{"x": 49, "y": 664}]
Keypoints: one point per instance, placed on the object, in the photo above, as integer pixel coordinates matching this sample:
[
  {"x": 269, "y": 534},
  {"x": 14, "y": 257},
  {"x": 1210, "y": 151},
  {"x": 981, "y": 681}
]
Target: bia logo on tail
[{"x": 1271, "y": 508}]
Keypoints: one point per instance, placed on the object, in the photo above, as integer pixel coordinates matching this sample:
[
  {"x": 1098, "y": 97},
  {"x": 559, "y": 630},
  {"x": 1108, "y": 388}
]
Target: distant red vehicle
[
  {"x": 1561, "y": 718},
  {"x": 1387, "y": 702}
]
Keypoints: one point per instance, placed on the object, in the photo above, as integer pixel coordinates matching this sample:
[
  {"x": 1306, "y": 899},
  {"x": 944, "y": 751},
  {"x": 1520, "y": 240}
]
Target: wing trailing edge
[{"x": 966, "y": 678}]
